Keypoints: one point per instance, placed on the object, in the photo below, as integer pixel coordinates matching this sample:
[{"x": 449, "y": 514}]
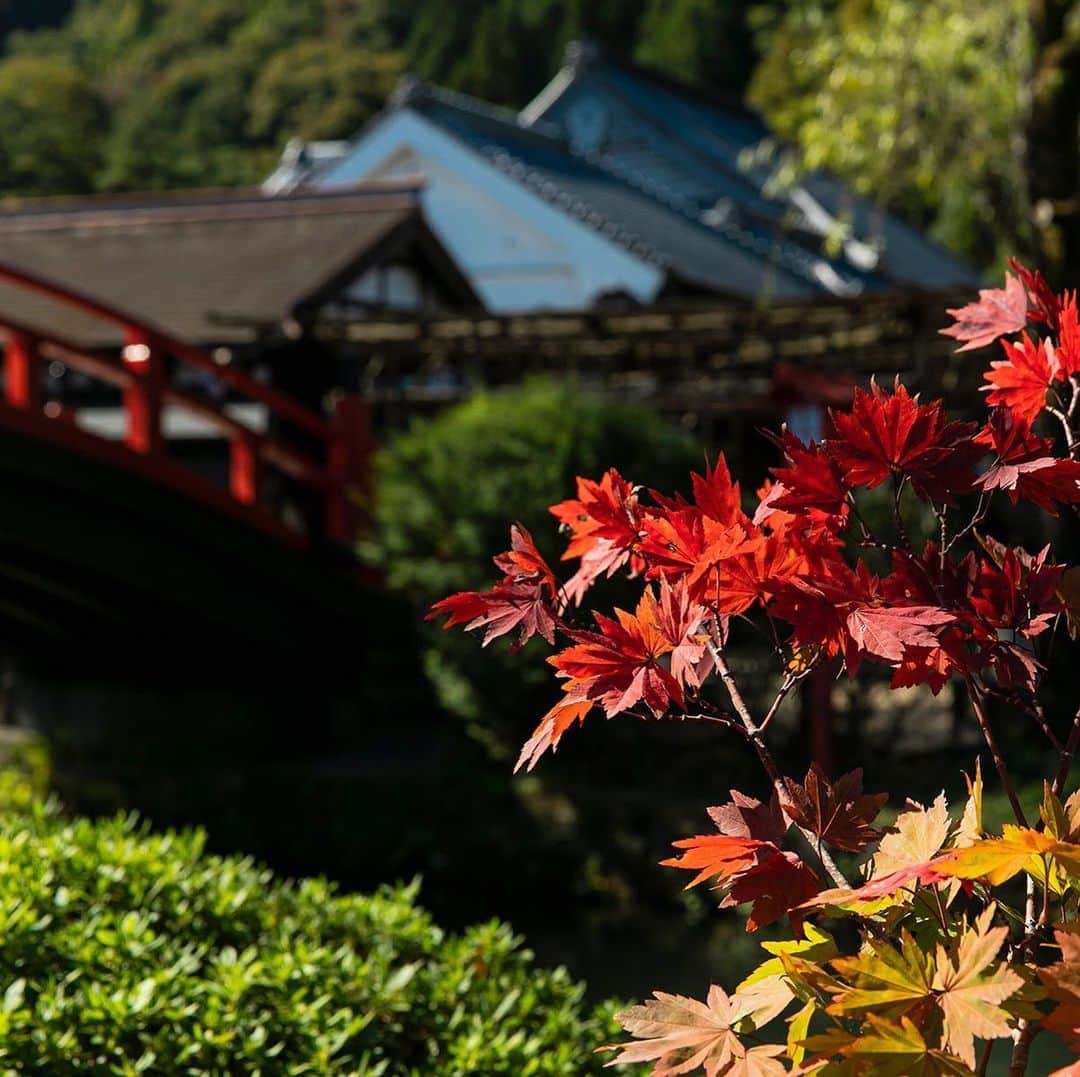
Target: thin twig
[
  {"x": 1066, "y": 757},
  {"x": 754, "y": 735},
  {"x": 718, "y": 719},
  {"x": 980, "y": 513},
  {"x": 995, "y": 752}
]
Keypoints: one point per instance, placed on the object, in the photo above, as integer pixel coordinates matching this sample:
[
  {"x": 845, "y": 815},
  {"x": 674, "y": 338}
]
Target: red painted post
[
  {"x": 349, "y": 458},
  {"x": 142, "y": 395},
  {"x": 245, "y": 469},
  {"x": 22, "y": 378}
]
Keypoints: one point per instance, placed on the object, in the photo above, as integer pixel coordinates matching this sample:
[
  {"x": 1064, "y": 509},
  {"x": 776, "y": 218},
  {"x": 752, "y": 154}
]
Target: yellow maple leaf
[
  {"x": 964, "y": 982},
  {"x": 899, "y": 1050},
  {"x": 972, "y": 985},
  {"x": 919, "y": 833},
  {"x": 998, "y": 859}
]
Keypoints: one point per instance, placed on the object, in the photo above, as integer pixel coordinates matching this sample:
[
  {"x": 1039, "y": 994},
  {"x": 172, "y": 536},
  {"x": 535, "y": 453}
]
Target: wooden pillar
[
  {"x": 22, "y": 377},
  {"x": 142, "y": 395},
  {"x": 349, "y": 466},
  {"x": 817, "y": 715}
]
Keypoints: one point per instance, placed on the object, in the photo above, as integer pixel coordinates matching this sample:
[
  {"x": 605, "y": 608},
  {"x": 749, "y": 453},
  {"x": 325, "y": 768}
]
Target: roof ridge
[
  {"x": 411, "y": 90},
  {"x": 406, "y": 188},
  {"x": 308, "y": 204}
]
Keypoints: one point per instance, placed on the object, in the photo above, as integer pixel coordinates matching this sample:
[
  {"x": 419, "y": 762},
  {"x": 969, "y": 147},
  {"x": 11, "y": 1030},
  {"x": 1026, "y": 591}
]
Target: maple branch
[
  {"x": 984, "y": 1059},
  {"x": 719, "y": 719},
  {"x": 943, "y": 549},
  {"x": 790, "y": 681},
  {"x": 1036, "y": 711},
  {"x": 897, "y": 515},
  {"x": 1025, "y": 1029},
  {"x": 1066, "y": 425},
  {"x": 980, "y": 514},
  {"x": 754, "y": 735},
  {"x": 1024, "y": 1034},
  {"x": 1066, "y": 757},
  {"x": 999, "y": 761}
]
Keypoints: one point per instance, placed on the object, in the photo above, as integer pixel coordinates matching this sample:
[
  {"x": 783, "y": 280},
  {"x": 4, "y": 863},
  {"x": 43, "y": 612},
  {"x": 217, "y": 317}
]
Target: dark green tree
[
  {"x": 918, "y": 104},
  {"x": 50, "y": 135}
]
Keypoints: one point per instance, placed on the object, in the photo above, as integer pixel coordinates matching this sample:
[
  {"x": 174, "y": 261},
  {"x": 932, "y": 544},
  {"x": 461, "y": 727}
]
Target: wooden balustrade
[{"x": 338, "y": 468}]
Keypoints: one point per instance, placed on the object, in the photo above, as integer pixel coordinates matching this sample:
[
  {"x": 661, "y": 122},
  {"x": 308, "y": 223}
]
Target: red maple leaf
[
  {"x": 716, "y": 495},
  {"x": 570, "y": 709},
  {"x": 932, "y": 666},
  {"x": 522, "y": 563},
  {"x": 1026, "y": 467},
  {"x": 680, "y": 619},
  {"x": 499, "y": 611},
  {"x": 523, "y": 600},
  {"x": 619, "y": 666},
  {"x": 604, "y": 522},
  {"x": 893, "y": 434},
  {"x": 775, "y": 886},
  {"x": 997, "y": 313},
  {"x": 927, "y": 873},
  {"x": 1020, "y": 381},
  {"x": 1068, "y": 351},
  {"x": 735, "y": 579},
  {"x": 746, "y": 817},
  {"x": 810, "y": 479},
  {"x": 817, "y": 605},
  {"x": 1045, "y": 306},
  {"x": 1021, "y": 594},
  {"x": 717, "y": 856},
  {"x": 928, "y": 580},
  {"x": 888, "y": 632},
  {"x": 1043, "y": 481},
  {"x": 839, "y": 813},
  {"x": 674, "y": 542}
]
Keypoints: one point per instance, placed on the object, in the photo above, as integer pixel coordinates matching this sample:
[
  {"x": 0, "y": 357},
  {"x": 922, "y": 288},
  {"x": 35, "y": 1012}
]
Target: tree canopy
[
  {"x": 927, "y": 122},
  {"x": 959, "y": 116},
  {"x": 207, "y": 92}
]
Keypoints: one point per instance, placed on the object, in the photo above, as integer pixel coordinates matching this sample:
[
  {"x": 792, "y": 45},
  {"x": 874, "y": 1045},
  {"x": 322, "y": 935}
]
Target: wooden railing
[{"x": 337, "y": 466}]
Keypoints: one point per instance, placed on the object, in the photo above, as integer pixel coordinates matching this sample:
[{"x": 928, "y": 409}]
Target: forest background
[{"x": 963, "y": 127}]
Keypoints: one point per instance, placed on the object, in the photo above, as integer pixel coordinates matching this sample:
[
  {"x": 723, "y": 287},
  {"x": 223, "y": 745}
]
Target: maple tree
[{"x": 963, "y": 937}]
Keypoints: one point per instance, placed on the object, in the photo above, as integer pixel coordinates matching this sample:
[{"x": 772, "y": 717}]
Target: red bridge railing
[{"x": 338, "y": 468}]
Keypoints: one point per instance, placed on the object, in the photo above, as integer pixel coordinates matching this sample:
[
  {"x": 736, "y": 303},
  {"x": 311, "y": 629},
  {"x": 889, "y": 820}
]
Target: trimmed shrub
[{"x": 129, "y": 952}]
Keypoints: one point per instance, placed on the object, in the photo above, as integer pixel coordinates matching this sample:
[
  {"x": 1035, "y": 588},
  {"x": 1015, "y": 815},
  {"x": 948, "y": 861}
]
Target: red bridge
[
  {"x": 117, "y": 555},
  {"x": 337, "y": 470}
]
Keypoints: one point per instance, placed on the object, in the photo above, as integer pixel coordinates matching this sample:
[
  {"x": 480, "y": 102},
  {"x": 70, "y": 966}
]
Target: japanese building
[{"x": 617, "y": 184}]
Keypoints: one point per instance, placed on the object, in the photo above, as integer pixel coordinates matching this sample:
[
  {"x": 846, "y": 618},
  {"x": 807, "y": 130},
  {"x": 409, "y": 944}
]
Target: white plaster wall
[{"x": 520, "y": 252}]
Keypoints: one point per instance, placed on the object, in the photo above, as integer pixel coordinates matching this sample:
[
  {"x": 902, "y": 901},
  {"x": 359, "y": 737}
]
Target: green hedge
[{"x": 129, "y": 952}]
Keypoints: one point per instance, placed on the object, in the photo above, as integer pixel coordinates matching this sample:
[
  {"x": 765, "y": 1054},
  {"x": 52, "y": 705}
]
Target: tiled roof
[
  {"x": 673, "y": 177},
  {"x": 697, "y": 152},
  {"x": 203, "y": 265},
  {"x": 732, "y": 256}
]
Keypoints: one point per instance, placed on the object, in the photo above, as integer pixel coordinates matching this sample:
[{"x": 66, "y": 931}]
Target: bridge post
[
  {"x": 142, "y": 395},
  {"x": 349, "y": 459},
  {"x": 245, "y": 469},
  {"x": 22, "y": 378}
]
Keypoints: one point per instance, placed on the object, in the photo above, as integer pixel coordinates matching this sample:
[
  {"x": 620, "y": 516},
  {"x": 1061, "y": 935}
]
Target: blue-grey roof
[
  {"x": 697, "y": 153},
  {"x": 721, "y": 254},
  {"x": 668, "y": 174}
]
